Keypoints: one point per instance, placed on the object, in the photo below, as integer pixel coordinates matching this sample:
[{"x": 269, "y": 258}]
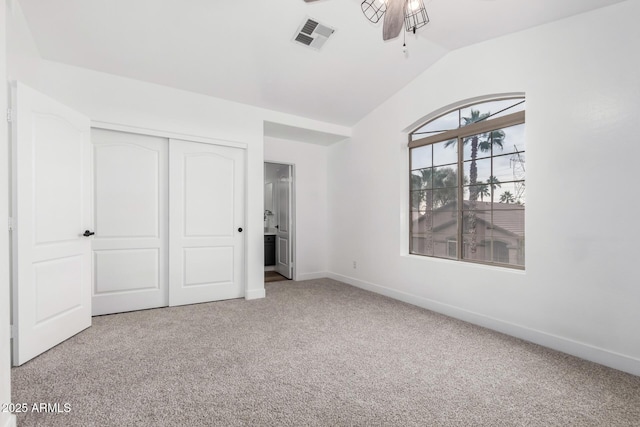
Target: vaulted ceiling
[{"x": 242, "y": 50}]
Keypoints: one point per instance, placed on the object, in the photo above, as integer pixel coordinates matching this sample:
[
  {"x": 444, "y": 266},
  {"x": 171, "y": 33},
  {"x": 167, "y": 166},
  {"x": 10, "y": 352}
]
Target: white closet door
[
  {"x": 206, "y": 255},
  {"x": 52, "y": 209},
  {"x": 130, "y": 205}
]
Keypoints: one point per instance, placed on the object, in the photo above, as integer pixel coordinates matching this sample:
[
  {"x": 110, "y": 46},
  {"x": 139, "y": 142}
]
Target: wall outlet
[{"x": 355, "y": 264}]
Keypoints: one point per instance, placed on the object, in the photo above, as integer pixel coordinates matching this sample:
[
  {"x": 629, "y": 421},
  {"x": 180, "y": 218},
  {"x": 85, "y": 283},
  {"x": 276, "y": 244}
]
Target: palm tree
[
  {"x": 483, "y": 142},
  {"x": 441, "y": 182},
  {"x": 507, "y": 197},
  {"x": 483, "y": 190},
  {"x": 494, "y": 182}
]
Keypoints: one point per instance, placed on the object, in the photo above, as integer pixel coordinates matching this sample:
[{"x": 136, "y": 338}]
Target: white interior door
[
  {"x": 131, "y": 218},
  {"x": 206, "y": 220},
  {"x": 283, "y": 228},
  {"x": 52, "y": 209}
]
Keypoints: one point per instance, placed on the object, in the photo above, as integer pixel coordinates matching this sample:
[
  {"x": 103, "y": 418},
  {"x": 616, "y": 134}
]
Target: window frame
[{"x": 459, "y": 135}]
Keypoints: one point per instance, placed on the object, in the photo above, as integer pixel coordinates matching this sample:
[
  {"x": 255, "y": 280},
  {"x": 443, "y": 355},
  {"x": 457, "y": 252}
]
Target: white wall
[
  {"x": 310, "y": 169},
  {"x": 107, "y": 98},
  {"x": 580, "y": 290},
  {"x": 111, "y": 99},
  {"x": 5, "y": 330}
]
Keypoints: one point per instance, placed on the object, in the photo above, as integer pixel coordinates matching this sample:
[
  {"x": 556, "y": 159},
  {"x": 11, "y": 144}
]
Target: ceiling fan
[{"x": 411, "y": 13}]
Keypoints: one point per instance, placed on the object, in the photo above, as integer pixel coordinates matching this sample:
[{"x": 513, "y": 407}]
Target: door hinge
[
  {"x": 11, "y": 224},
  {"x": 14, "y": 331},
  {"x": 9, "y": 115}
]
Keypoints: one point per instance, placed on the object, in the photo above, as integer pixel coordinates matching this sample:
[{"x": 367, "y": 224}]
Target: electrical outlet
[{"x": 355, "y": 265}]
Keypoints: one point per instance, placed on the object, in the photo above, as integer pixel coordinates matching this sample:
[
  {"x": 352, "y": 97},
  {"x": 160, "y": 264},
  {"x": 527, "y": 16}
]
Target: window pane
[
  {"x": 452, "y": 248},
  {"x": 503, "y": 168},
  {"x": 483, "y": 171},
  {"x": 478, "y": 220},
  {"x": 470, "y": 203},
  {"x": 442, "y": 245},
  {"x": 509, "y": 193},
  {"x": 421, "y": 201},
  {"x": 488, "y": 108},
  {"x": 445, "y": 153},
  {"x": 416, "y": 201},
  {"x": 476, "y": 248},
  {"x": 520, "y": 192},
  {"x": 512, "y": 142},
  {"x": 422, "y": 244},
  {"x": 445, "y": 176},
  {"x": 445, "y": 222},
  {"x": 447, "y": 122},
  {"x": 421, "y": 157},
  {"x": 445, "y": 199},
  {"x": 509, "y": 224},
  {"x": 421, "y": 179},
  {"x": 484, "y": 144},
  {"x": 500, "y": 251},
  {"x": 483, "y": 196},
  {"x": 422, "y": 235}
]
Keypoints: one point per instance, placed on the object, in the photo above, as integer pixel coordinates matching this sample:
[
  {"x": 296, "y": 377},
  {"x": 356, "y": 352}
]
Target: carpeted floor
[{"x": 314, "y": 353}]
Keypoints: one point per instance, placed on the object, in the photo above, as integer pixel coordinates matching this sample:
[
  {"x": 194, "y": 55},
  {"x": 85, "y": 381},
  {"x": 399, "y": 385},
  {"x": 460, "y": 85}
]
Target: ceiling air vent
[{"x": 313, "y": 34}]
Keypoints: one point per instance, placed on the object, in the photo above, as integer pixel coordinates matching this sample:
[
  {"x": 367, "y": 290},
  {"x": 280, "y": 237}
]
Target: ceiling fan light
[
  {"x": 415, "y": 15},
  {"x": 374, "y": 9}
]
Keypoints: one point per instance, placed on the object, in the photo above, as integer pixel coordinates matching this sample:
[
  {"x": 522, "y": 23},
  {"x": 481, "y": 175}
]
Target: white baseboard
[
  {"x": 565, "y": 345},
  {"x": 255, "y": 294},
  {"x": 311, "y": 276},
  {"x": 11, "y": 421}
]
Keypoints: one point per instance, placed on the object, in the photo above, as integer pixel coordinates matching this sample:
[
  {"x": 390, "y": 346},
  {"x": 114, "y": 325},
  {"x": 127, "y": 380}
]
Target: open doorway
[{"x": 279, "y": 221}]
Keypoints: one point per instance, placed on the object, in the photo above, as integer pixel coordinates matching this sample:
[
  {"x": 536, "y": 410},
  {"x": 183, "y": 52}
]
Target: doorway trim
[{"x": 292, "y": 200}]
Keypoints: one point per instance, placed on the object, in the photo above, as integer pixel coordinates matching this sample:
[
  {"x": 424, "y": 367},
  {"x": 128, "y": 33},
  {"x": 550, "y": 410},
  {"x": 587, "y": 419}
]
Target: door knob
[
  {"x": 240, "y": 229},
  {"x": 88, "y": 233}
]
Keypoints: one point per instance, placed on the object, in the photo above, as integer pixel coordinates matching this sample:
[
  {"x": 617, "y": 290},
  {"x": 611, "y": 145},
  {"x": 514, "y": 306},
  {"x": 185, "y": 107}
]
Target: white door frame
[{"x": 293, "y": 235}]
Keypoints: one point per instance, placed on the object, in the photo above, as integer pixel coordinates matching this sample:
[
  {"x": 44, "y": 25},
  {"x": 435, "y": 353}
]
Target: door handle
[
  {"x": 240, "y": 229},
  {"x": 88, "y": 233}
]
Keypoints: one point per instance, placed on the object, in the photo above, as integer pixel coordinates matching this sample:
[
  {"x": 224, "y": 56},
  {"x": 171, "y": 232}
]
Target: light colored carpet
[{"x": 315, "y": 353}]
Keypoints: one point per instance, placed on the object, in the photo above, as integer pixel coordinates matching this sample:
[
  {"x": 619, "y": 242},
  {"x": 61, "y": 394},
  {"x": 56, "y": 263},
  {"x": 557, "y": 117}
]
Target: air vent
[
  {"x": 304, "y": 39},
  {"x": 313, "y": 34}
]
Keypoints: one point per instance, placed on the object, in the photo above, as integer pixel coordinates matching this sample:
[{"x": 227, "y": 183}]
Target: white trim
[
  {"x": 165, "y": 134},
  {"x": 312, "y": 276},
  {"x": 565, "y": 345},
  {"x": 255, "y": 294},
  {"x": 11, "y": 421}
]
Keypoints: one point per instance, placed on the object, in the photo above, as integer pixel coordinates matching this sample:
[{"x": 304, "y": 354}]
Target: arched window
[{"x": 468, "y": 180}]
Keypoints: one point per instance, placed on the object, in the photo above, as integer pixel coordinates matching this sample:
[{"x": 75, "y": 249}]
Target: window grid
[{"x": 474, "y": 210}]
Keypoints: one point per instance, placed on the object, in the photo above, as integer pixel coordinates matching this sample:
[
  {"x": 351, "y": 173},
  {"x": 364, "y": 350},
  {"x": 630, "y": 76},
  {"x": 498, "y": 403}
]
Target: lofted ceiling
[{"x": 242, "y": 50}]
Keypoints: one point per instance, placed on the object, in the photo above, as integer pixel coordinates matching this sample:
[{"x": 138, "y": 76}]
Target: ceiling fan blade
[{"x": 393, "y": 19}]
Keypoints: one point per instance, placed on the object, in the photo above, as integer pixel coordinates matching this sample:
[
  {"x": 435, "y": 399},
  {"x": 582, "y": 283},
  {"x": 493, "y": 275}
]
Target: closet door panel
[
  {"x": 206, "y": 221},
  {"x": 130, "y": 205}
]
